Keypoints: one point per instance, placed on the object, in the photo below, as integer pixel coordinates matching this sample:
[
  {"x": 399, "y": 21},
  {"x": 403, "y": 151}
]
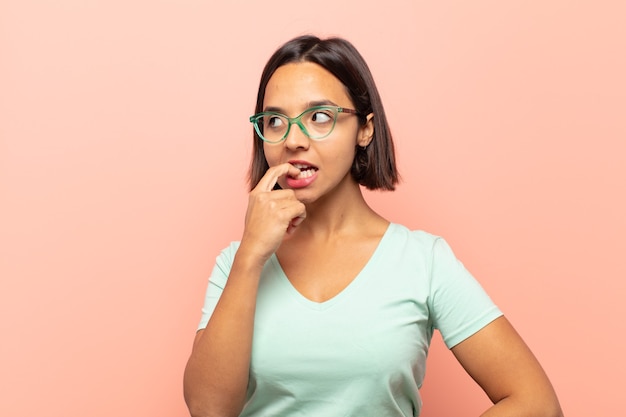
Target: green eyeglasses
[{"x": 316, "y": 123}]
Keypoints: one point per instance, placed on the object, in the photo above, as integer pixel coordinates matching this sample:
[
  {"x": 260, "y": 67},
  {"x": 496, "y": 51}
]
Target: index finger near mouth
[{"x": 272, "y": 175}]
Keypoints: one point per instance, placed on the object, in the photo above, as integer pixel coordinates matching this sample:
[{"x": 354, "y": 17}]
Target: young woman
[{"x": 325, "y": 308}]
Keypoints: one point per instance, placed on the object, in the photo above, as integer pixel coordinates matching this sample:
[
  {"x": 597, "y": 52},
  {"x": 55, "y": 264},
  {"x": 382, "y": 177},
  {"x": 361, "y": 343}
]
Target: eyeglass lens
[{"x": 315, "y": 123}]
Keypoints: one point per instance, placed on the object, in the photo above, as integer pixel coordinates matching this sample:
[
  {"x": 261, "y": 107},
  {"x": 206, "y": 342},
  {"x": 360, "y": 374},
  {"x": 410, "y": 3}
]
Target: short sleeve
[
  {"x": 217, "y": 282},
  {"x": 459, "y": 305}
]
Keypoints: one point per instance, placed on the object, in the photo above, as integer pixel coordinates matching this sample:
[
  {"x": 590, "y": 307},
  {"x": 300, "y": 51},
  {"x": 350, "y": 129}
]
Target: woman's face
[{"x": 325, "y": 164}]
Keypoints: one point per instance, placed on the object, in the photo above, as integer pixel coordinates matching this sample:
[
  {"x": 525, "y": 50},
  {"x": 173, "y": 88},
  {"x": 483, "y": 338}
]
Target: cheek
[{"x": 344, "y": 155}]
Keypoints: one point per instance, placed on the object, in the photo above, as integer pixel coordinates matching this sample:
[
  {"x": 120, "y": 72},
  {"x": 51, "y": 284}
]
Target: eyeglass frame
[{"x": 298, "y": 121}]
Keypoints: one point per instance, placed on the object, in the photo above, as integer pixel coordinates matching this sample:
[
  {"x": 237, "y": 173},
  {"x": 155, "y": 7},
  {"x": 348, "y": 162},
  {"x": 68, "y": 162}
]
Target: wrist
[{"x": 248, "y": 260}]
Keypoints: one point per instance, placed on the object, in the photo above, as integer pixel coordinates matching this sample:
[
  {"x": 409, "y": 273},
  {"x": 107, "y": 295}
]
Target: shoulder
[
  {"x": 401, "y": 235},
  {"x": 409, "y": 250},
  {"x": 428, "y": 249}
]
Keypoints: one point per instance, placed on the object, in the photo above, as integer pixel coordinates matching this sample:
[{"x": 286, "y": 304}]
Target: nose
[{"x": 296, "y": 138}]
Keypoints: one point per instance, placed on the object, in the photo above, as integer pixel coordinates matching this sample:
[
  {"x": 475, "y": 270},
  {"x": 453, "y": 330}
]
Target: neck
[{"x": 344, "y": 212}]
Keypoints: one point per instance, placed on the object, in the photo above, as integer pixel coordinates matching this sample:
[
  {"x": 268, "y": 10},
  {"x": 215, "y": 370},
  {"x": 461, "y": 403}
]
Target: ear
[{"x": 366, "y": 131}]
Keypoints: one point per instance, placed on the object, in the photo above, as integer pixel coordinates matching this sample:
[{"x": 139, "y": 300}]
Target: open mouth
[{"x": 305, "y": 170}]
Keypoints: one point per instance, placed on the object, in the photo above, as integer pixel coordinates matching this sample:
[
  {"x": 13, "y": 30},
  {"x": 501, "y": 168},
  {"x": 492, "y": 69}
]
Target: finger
[
  {"x": 297, "y": 214},
  {"x": 295, "y": 222},
  {"x": 272, "y": 175}
]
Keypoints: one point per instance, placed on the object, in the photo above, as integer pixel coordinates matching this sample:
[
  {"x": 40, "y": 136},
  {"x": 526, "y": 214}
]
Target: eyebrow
[{"x": 308, "y": 106}]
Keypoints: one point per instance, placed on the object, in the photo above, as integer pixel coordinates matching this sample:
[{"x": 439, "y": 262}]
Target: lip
[
  {"x": 302, "y": 182},
  {"x": 296, "y": 162}
]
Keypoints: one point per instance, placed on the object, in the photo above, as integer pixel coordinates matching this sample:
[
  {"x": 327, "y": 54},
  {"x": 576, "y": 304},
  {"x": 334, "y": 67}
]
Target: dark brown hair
[{"x": 374, "y": 166}]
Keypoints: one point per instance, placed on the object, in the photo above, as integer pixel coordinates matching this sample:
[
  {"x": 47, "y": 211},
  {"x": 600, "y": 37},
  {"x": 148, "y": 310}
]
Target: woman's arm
[
  {"x": 216, "y": 376},
  {"x": 497, "y": 358}
]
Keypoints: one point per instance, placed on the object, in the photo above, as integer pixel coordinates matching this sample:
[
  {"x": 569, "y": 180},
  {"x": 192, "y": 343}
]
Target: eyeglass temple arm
[{"x": 344, "y": 110}]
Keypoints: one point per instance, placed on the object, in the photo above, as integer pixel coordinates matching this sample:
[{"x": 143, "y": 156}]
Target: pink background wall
[{"x": 124, "y": 144}]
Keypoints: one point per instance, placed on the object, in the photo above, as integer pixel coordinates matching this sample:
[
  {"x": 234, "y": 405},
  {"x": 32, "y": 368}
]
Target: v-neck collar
[{"x": 358, "y": 280}]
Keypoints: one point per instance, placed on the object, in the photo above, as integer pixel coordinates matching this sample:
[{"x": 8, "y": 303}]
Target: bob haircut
[{"x": 374, "y": 166}]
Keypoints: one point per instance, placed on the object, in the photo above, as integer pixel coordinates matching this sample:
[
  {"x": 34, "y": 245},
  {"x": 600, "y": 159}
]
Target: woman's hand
[{"x": 271, "y": 214}]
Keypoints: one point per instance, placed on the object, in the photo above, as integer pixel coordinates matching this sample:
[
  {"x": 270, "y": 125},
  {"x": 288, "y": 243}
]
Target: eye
[
  {"x": 321, "y": 117},
  {"x": 274, "y": 122}
]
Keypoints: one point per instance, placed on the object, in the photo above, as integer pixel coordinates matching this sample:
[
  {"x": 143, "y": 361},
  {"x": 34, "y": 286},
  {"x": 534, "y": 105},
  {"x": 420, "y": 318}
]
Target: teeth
[
  {"x": 306, "y": 173},
  {"x": 305, "y": 170}
]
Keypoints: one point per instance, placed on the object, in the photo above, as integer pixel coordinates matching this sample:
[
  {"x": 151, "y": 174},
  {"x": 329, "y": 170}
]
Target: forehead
[{"x": 294, "y": 85}]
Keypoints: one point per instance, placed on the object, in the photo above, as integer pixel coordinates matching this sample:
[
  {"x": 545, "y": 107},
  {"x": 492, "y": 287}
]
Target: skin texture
[
  {"x": 497, "y": 358},
  {"x": 321, "y": 220},
  {"x": 333, "y": 155}
]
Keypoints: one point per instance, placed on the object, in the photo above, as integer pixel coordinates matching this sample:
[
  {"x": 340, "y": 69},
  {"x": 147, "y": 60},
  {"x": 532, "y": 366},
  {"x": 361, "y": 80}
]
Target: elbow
[
  {"x": 196, "y": 412},
  {"x": 197, "y": 404},
  {"x": 196, "y": 408},
  {"x": 551, "y": 413},
  {"x": 549, "y": 408},
  {"x": 554, "y": 410},
  {"x": 536, "y": 405},
  {"x": 200, "y": 412},
  {"x": 201, "y": 406},
  {"x": 199, "y": 409}
]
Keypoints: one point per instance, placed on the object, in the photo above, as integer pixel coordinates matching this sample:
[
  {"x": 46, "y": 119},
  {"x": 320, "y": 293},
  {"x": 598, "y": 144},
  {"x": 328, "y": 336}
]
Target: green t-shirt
[{"x": 363, "y": 352}]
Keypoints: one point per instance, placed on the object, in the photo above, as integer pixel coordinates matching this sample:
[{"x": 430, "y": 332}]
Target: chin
[{"x": 305, "y": 197}]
